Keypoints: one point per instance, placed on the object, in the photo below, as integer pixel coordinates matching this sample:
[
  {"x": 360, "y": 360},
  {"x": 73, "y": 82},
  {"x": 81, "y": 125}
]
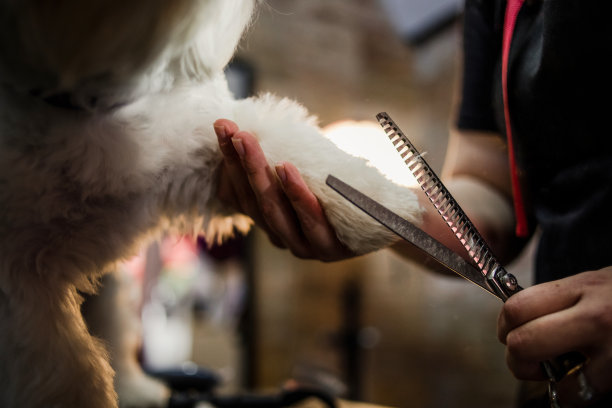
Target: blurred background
[{"x": 379, "y": 328}]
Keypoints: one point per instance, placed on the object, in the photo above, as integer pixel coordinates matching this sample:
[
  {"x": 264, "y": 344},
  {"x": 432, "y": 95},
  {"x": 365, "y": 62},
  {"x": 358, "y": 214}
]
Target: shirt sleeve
[{"x": 481, "y": 47}]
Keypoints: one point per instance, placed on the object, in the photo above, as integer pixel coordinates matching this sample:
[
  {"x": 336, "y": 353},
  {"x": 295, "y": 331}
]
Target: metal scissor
[{"x": 485, "y": 270}]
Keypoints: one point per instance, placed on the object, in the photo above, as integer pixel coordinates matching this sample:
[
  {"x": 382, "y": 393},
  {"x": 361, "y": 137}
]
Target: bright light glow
[{"x": 366, "y": 139}]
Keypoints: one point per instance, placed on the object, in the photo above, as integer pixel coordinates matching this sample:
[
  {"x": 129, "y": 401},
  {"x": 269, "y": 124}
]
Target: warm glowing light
[{"x": 366, "y": 139}]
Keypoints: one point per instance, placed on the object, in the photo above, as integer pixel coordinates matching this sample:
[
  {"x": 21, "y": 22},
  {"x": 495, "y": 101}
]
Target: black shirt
[{"x": 558, "y": 90}]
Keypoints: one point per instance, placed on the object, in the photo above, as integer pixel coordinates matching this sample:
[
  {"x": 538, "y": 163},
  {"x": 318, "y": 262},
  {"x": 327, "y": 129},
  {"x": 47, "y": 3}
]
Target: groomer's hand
[
  {"x": 277, "y": 199},
  {"x": 553, "y": 318}
]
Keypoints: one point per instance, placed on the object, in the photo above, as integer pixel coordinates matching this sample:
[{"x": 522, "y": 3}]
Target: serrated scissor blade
[
  {"x": 499, "y": 280},
  {"x": 410, "y": 233}
]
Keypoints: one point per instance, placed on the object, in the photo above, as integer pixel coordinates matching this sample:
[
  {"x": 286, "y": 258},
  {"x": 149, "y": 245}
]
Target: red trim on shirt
[{"x": 512, "y": 10}]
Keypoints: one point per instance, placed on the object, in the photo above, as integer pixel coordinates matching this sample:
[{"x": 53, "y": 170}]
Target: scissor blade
[{"x": 410, "y": 233}]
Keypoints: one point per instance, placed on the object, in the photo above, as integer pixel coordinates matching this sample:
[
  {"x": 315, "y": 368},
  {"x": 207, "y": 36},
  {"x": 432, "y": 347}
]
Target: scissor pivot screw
[{"x": 510, "y": 281}]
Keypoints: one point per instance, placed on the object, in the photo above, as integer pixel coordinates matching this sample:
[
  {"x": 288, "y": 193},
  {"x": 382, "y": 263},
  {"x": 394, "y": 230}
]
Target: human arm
[{"x": 476, "y": 173}]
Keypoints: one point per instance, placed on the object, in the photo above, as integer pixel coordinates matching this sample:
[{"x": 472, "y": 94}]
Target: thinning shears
[{"x": 484, "y": 270}]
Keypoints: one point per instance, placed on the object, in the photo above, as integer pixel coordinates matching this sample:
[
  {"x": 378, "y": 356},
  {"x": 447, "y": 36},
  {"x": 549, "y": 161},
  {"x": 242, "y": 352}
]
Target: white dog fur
[{"x": 129, "y": 151}]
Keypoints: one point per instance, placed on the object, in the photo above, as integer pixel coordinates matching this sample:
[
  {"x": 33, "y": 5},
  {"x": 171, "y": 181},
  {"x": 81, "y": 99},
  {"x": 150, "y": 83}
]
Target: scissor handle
[{"x": 565, "y": 364}]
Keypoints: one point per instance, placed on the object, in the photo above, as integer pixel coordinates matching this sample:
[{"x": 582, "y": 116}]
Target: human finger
[
  {"x": 525, "y": 369},
  {"x": 272, "y": 203},
  {"x": 314, "y": 224},
  {"x": 545, "y": 339},
  {"x": 233, "y": 172},
  {"x": 536, "y": 301},
  {"x": 552, "y": 335},
  {"x": 234, "y": 186},
  {"x": 225, "y": 129}
]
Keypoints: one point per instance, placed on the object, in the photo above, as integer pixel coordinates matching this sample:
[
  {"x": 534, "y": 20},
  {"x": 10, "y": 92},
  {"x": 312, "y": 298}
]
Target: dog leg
[
  {"x": 287, "y": 133},
  {"x": 112, "y": 315},
  {"x": 47, "y": 356}
]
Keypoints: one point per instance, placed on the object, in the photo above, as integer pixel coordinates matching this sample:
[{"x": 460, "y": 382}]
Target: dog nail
[
  {"x": 238, "y": 146},
  {"x": 282, "y": 174}
]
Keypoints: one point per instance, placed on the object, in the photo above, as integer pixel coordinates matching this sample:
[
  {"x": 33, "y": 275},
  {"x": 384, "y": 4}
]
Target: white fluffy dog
[{"x": 106, "y": 139}]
